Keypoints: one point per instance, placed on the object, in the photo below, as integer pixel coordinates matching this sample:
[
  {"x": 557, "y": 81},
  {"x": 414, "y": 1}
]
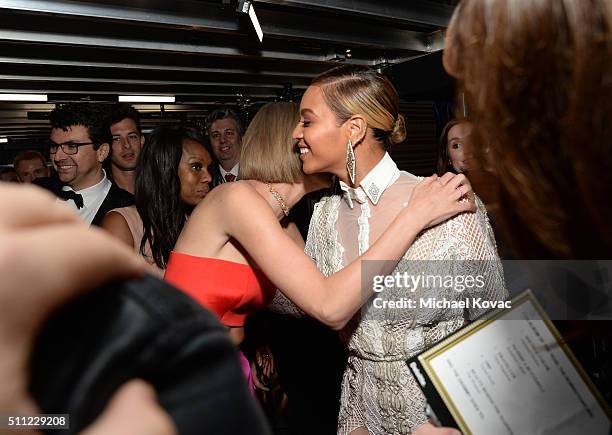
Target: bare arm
[
  {"x": 116, "y": 224},
  {"x": 293, "y": 232},
  {"x": 333, "y": 300}
]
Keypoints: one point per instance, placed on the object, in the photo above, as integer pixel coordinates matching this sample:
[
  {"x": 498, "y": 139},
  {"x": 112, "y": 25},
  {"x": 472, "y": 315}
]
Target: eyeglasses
[{"x": 69, "y": 148}]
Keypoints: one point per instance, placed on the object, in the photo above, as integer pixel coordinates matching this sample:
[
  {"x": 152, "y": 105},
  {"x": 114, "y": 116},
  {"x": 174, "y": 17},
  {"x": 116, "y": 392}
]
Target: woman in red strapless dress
[{"x": 237, "y": 248}]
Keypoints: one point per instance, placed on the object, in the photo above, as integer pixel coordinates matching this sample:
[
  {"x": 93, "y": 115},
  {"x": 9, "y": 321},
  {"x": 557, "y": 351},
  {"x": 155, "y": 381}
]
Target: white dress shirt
[
  {"x": 233, "y": 171},
  {"x": 93, "y": 197}
]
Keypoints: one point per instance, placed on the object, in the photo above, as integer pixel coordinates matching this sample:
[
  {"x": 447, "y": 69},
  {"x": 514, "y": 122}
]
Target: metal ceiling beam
[
  {"x": 27, "y": 62},
  {"x": 420, "y": 12},
  {"x": 211, "y": 18},
  {"x": 338, "y": 32},
  {"x": 158, "y": 46},
  {"x": 195, "y": 15},
  {"x": 29, "y": 51},
  {"x": 161, "y": 83},
  {"x": 195, "y": 49},
  {"x": 35, "y": 70},
  {"x": 57, "y": 88}
]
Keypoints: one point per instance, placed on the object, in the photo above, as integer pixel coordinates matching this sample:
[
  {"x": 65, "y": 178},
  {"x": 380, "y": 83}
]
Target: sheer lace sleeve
[{"x": 477, "y": 246}]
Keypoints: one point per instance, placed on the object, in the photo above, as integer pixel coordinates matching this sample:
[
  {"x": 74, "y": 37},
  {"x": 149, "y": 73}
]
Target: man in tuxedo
[
  {"x": 225, "y": 131},
  {"x": 79, "y": 144},
  {"x": 125, "y": 148}
]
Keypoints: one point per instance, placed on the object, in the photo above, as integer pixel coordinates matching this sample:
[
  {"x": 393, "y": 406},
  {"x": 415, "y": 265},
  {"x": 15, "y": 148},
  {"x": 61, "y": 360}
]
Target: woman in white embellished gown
[{"x": 351, "y": 114}]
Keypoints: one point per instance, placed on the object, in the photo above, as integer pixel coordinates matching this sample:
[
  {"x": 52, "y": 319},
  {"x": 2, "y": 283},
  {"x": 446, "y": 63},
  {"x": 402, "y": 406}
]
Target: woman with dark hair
[{"x": 171, "y": 179}]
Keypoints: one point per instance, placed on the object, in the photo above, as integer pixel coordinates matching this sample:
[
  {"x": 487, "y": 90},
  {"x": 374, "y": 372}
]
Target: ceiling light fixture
[
  {"x": 23, "y": 97},
  {"x": 246, "y": 7},
  {"x": 146, "y": 99}
]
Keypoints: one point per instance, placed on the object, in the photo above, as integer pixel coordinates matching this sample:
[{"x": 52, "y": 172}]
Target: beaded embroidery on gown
[{"x": 378, "y": 392}]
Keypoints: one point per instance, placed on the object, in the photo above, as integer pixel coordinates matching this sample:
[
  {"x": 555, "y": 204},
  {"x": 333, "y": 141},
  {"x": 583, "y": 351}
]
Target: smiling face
[
  {"x": 460, "y": 146},
  {"x": 193, "y": 172},
  {"x": 321, "y": 141},
  {"x": 225, "y": 139},
  {"x": 83, "y": 169},
  {"x": 127, "y": 142}
]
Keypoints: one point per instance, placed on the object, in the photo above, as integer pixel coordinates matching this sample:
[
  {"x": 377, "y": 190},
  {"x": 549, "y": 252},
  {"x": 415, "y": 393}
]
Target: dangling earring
[{"x": 350, "y": 161}]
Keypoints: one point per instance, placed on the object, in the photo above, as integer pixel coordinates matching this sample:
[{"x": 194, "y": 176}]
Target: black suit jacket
[
  {"x": 217, "y": 178},
  {"x": 116, "y": 198}
]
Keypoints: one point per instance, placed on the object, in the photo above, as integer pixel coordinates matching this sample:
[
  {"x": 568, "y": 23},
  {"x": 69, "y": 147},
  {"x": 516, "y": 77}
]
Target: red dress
[{"x": 231, "y": 290}]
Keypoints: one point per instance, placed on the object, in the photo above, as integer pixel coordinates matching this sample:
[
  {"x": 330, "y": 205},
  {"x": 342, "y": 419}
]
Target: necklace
[{"x": 277, "y": 196}]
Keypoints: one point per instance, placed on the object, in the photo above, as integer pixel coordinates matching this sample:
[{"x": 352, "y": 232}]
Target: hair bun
[{"x": 398, "y": 134}]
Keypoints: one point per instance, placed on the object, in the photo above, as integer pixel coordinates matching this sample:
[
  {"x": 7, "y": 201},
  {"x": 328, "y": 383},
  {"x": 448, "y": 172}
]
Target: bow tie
[
  {"x": 351, "y": 194},
  {"x": 71, "y": 194}
]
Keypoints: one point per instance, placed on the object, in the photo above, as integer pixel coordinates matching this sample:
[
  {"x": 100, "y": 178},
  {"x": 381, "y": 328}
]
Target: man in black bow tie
[{"x": 79, "y": 144}]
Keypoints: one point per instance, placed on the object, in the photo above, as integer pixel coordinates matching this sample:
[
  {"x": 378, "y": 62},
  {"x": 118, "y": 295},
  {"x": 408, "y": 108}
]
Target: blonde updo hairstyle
[
  {"x": 268, "y": 151},
  {"x": 357, "y": 90}
]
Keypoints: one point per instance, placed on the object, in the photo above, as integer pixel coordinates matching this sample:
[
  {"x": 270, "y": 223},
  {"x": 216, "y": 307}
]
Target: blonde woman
[
  {"x": 236, "y": 249},
  {"x": 349, "y": 117}
]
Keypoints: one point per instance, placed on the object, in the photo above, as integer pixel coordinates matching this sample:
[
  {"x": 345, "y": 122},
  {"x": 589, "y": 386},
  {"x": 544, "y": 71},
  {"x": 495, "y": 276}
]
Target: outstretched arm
[{"x": 334, "y": 300}]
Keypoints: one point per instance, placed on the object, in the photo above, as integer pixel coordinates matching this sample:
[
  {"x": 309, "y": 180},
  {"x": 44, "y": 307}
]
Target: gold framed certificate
[{"x": 510, "y": 372}]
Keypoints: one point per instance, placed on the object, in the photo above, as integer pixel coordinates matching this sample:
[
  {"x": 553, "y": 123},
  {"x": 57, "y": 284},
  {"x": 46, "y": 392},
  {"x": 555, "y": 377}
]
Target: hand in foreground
[
  {"x": 133, "y": 410},
  {"x": 47, "y": 256},
  {"x": 436, "y": 199},
  {"x": 430, "y": 429}
]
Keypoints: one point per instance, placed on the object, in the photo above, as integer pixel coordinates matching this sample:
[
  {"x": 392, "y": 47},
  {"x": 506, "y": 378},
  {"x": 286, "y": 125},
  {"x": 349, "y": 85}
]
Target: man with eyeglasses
[
  {"x": 79, "y": 144},
  {"x": 224, "y": 129},
  {"x": 125, "y": 148}
]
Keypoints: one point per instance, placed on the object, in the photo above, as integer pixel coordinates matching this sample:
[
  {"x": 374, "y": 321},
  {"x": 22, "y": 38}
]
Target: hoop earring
[{"x": 350, "y": 162}]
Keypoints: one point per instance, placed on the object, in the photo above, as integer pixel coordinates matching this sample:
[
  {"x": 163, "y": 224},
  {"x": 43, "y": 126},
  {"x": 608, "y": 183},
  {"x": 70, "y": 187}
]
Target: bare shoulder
[
  {"x": 116, "y": 224},
  {"x": 237, "y": 199},
  {"x": 113, "y": 218}
]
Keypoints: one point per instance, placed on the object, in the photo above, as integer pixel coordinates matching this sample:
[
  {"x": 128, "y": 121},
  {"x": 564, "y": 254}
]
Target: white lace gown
[{"x": 378, "y": 391}]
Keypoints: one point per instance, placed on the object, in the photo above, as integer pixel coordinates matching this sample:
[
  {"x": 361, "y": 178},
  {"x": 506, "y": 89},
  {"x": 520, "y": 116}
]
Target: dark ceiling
[{"x": 203, "y": 52}]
